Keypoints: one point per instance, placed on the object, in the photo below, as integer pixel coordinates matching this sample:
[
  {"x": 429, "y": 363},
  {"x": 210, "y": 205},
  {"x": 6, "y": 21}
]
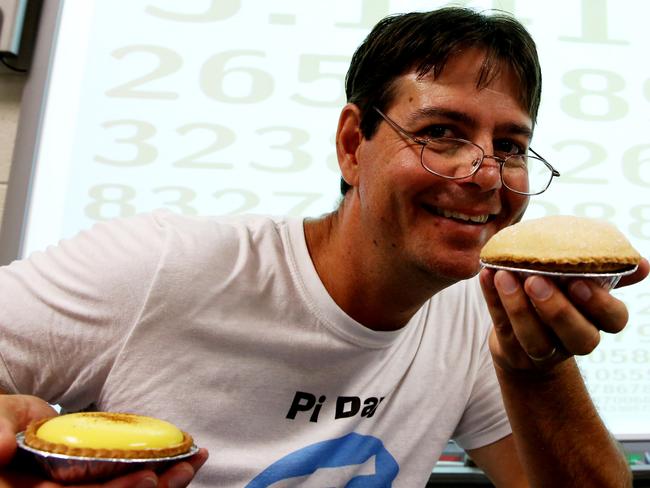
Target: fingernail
[
  {"x": 539, "y": 288},
  {"x": 147, "y": 483},
  {"x": 182, "y": 478},
  {"x": 507, "y": 283},
  {"x": 580, "y": 290}
]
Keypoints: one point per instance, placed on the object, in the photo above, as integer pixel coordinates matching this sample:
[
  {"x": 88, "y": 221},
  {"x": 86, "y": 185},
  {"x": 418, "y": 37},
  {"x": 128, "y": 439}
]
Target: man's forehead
[{"x": 421, "y": 92}]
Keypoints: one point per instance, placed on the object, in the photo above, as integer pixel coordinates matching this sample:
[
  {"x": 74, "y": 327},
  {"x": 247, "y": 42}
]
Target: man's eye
[
  {"x": 437, "y": 131},
  {"x": 507, "y": 148}
]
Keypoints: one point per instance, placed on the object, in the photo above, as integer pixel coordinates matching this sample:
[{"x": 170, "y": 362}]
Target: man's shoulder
[
  {"x": 232, "y": 254},
  {"x": 163, "y": 235},
  {"x": 218, "y": 230},
  {"x": 220, "y": 241}
]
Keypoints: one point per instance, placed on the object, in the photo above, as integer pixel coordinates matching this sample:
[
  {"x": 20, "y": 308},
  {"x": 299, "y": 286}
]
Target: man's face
[{"x": 416, "y": 218}]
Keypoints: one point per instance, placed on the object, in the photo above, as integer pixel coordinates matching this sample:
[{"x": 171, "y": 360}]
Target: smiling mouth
[{"x": 459, "y": 216}]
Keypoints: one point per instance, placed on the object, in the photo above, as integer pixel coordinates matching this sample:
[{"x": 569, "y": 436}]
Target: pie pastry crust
[{"x": 562, "y": 243}]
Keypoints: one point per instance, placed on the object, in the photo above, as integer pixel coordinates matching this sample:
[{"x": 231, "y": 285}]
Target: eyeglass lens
[{"x": 454, "y": 158}]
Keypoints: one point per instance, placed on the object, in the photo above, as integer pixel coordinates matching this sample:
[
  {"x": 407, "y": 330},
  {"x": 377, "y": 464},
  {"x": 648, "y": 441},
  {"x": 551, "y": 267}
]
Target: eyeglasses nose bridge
[
  {"x": 498, "y": 159},
  {"x": 479, "y": 161}
]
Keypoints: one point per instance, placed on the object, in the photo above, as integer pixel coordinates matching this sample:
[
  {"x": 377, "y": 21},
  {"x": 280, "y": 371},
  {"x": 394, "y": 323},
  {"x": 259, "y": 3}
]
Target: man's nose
[{"x": 488, "y": 175}]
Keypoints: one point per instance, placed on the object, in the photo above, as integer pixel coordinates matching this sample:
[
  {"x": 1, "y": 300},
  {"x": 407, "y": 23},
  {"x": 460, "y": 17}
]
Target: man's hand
[
  {"x": 537, "y": 325},
  {"x": 16, "y": 411}
]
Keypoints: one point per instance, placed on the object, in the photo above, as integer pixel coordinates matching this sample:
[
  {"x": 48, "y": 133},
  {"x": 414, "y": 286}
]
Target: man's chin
[
  {"x": 448, "y": 273},
  {"x": 459, "y": 274}
]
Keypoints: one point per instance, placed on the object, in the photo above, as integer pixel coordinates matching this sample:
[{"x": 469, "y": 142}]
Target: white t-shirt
[{"x": 223, "y": 327}]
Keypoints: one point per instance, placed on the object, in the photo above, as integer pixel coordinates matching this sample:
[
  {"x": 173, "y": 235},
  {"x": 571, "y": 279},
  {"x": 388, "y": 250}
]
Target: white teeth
[{"x": 479, "y": 219}]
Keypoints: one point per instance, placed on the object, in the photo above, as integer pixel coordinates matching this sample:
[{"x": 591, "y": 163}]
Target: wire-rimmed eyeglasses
[{"x": 453, "y": 159}]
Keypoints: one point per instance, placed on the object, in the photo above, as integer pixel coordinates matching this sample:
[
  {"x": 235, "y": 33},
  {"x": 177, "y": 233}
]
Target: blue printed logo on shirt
[{"x": 351, "y": 461}]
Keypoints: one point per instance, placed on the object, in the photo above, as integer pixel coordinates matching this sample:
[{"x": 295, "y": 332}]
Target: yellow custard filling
[{"x": 99, "y": 430}]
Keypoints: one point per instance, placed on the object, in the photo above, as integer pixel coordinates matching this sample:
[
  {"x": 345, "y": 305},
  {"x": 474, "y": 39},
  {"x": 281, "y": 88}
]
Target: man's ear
[{"x": 348, "y": 140}]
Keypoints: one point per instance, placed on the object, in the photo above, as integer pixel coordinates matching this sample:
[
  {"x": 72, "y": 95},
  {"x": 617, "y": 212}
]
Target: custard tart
[
  {"x": 91, "y": 446},
  {"x": 107, "y": 435}
]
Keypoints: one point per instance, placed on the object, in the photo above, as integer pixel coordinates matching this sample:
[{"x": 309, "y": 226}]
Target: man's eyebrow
[
  {"x": 430, "y": 112},
  {"x": 517, "y": 129}
]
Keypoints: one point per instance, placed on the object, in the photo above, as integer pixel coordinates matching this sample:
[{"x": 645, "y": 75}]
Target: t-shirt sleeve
[
  {"x": 484, "y": 420},
  {"x": 66, "y": 312}
]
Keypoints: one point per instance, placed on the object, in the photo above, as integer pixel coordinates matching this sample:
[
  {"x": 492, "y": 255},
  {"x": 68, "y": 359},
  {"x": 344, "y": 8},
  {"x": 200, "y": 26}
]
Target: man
[{"x": 351, "y": 348}]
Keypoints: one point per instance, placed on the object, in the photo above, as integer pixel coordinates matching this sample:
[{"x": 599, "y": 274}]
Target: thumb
[{"x": 16, "y": 411}]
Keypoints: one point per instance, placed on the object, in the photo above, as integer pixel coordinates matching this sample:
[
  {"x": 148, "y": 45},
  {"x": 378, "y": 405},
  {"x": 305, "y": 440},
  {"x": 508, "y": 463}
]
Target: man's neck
[{"x": 378, "y": 292}]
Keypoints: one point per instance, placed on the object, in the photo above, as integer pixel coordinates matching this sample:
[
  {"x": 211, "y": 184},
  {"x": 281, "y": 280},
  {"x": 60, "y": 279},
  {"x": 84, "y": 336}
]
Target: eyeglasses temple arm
[
  {"x": 556, "y": 173},
  {"x": 398, "y": 128}
]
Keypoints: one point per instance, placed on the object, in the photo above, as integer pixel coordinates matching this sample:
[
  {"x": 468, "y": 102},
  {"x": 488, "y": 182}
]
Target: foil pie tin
[
  {"x": 606, "y": 280},
  {"x": 77, "y": 469}
]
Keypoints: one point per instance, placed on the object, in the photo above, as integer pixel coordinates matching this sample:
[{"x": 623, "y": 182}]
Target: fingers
[
  {"x": 16, "y": 411},
  {"x": 577, "y": 316},
  {"x": 22, "y": 479},
  {"x": 534, "y": 336},
  {"x": 640, "y": 274},
  {"x": 182, "y": 473},
  {"x": 139, "y": 479},
  {"x": 7, "y": 441},
  {"x": 20, "y": 410},
  {"x": 605, "y": 311},
  {"x": 574, "y": 331},
  {"x": 505, "y": 347},
  {"x": 178, "y": 476},
  {"x": 13, "y": 478},
  {"x": 537, "y": 324},
  {"x": 497, "y": 312}
]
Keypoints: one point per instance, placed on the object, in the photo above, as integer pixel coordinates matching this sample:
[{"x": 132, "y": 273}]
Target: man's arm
[
  {"x": 558, "y": 434},
  {"x": 501, "y": 464},
  {"x": 559, "y": 437}
]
